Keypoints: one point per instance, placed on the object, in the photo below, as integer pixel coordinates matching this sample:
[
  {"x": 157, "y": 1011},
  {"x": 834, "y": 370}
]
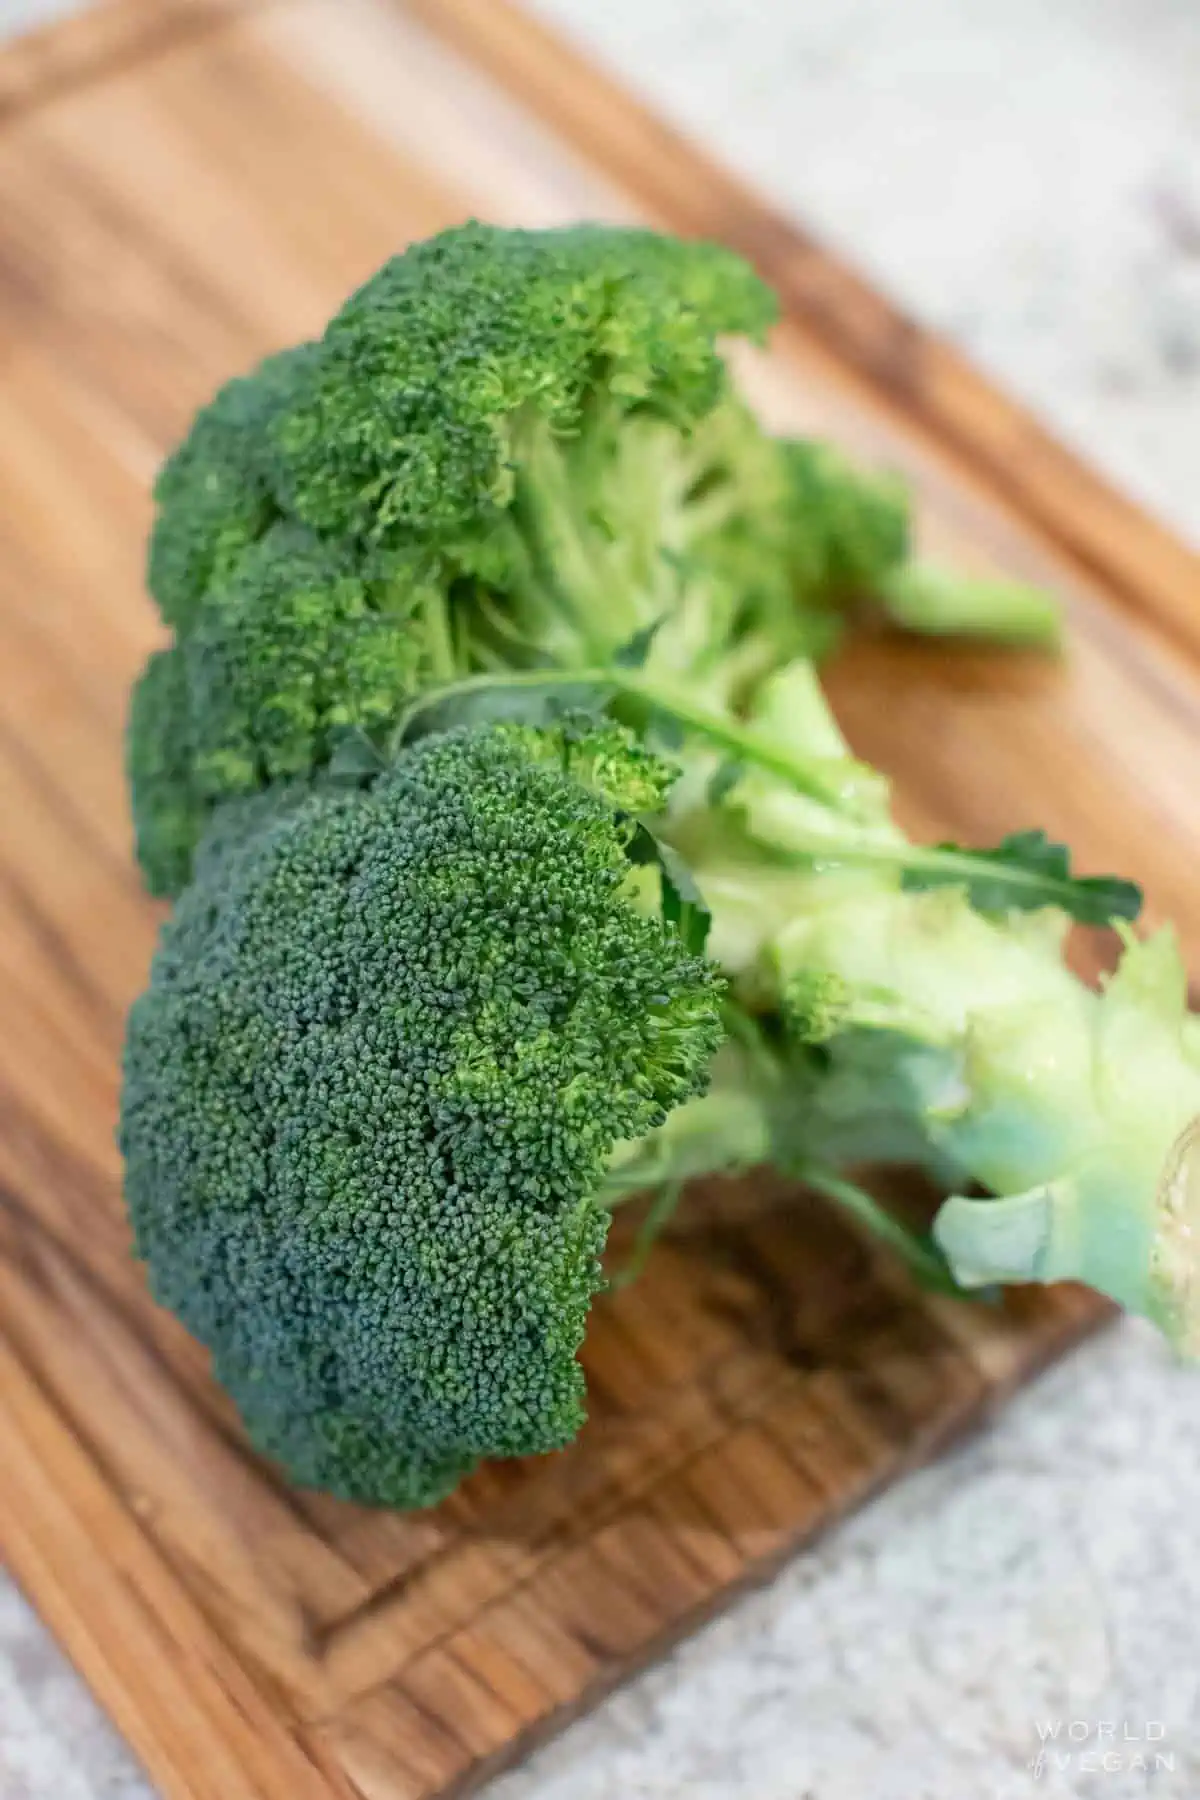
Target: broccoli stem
[
  {"x": 919, "y": 1254},
  {"x": 566, "y": 582},
  {"x": 439, "y": 639},
  {"x": 1077, "y": 1109},
  {"x": 809, "y": 776},
  {"x": 948, "y": 864},
  {"x": 847, "y": 791},
  {"x": 1125, "y": 1224},
  {"x": 600, "y": 527},
  {"x": 658, "y": 1216},
  {"x": 939, "y": 603},
  {"x": 755, "y": 1114}
]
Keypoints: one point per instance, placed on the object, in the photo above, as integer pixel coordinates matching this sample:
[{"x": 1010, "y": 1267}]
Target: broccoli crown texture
[
  {"x": 295, "y": 647},
  {"x": 508, "y": 449},
  {"x": 401, "y": 425},
  {"x": 392, "y": 1036}
]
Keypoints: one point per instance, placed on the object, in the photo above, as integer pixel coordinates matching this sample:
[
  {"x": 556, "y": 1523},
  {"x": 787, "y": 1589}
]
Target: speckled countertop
[{"x": 1026, "y": 176}]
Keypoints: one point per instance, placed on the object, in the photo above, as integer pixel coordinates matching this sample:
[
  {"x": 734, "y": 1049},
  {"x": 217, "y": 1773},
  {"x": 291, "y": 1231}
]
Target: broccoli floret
[
  {"x": 168, "y": 812},
  {"x": 213, "y": 495},
  {"x": 508, "y": 449},
  {"x": 409, "y": 422},
  {"x": 609, "y": 761},
  {"x": 851, "y": 542},
  {"x": 298, "y": 646},
  {"x": 490, "y": 457},
  {"x": 851, "y": 527},
  {"x": 294, "y": 650},
  {"x": 393, "y": 1035}
]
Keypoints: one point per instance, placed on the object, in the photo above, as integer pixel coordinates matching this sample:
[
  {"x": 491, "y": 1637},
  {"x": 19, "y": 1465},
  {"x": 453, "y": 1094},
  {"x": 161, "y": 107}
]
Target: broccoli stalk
[
  {"x": 1075, "y": 1108},
  {"x": 939, "y": 603}
]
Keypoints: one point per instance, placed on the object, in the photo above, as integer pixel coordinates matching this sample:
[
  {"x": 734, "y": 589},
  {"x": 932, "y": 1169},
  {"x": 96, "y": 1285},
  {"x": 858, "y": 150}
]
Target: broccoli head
[
  {"x": 408, "y": 422},
  {"x": 469, "y": 466},
  {"x": 393, "y": 1035},
  {"x": 508, "y": 449}
]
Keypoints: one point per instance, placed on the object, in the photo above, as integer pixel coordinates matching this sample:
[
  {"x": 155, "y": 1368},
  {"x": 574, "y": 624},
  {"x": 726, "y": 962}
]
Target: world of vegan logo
[{"x": 1102, "y": 1747}]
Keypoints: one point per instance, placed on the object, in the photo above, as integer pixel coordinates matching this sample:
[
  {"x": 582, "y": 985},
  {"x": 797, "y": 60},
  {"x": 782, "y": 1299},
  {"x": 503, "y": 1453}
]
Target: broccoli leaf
[
  {"x": 1025, "y": 870},
  {"x": 355, "y": 757},
  {"x": 724, "y": 780},
  {"x": 538, "y": 699},
  {"x": 683, "y": 904},
  {"x": 633, "y": 653}
]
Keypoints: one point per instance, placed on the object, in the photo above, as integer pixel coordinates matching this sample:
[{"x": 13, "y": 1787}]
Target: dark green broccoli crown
[
  {"x": 402, "y": 424},
  {"x": 391, "y": 1038},
  {"x": 397, "y": 426}
]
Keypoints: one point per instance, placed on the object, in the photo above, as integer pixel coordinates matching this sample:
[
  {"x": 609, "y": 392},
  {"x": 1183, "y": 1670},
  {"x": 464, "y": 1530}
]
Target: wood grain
[
  {"x": 99, "y": 42},
  {"x": 175, "y": 204}
]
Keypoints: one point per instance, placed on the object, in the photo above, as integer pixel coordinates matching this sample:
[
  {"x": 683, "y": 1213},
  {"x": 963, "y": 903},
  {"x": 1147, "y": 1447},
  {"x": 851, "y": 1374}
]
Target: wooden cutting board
[{"x": 183, "y": 187}]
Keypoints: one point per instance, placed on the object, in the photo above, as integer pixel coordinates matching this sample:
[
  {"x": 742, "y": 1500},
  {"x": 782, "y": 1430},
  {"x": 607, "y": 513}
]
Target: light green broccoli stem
[
  {"x": 608, "y": 537},
  {"x": 939, "y": 603},
  {"x": 791, "y": 736},
  {"x": 752, "y": 1116},
  {"x": 1075, "y": 1108},
  {"x": 1125, "y": 1219},
  {"x": 923, "y": 1259},
  {"x": 733, "y": 551}
]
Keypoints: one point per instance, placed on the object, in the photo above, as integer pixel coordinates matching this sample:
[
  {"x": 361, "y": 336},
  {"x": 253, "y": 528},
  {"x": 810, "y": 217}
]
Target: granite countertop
[{"x": 1027, "y": 178}]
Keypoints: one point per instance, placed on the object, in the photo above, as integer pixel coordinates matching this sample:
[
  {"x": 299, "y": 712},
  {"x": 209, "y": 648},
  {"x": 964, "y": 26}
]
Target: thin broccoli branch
[
  {"x": 918, "y": 1253},
  {"x": 1025, "y": 872}
]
